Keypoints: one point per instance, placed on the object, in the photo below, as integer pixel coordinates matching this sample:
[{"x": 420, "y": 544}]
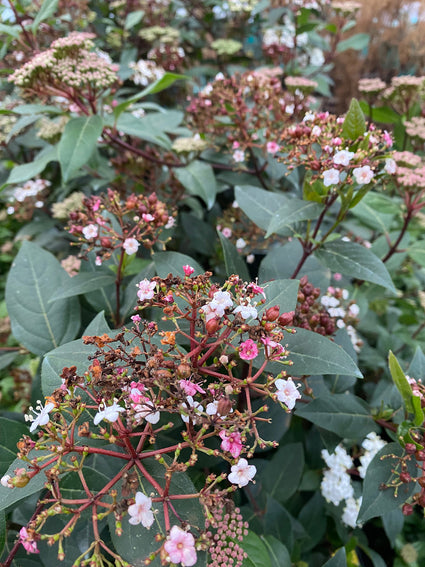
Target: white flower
[
  {"x": 316, "y": 131},
  {"x": 146, "y": 412},
  {"x": 239, "y": 156},
  {"x": 4, "y": 481},
  {"x": 220, "y": 302},
  {"x": 330, "y": 177},
  {"x": 246, "y": 311},
  {"x": 335, "y": 487},
  {"x": 146, "y": 289},
  {"x": 390, "y": 166},
  {"x": 90, "y": 231},
  {"x": 170, "y": 223},
  {"x": 353, "y": 310},
  {"x": 196, "y": 406},
  {"x": 42, "y": 417},
  {"x": 130, "y": 246},
  {"x": 287, "y": 392},
  {"x": 109, "y": 413},
  {"x": 372, "y": 444},
  {"x": 351, "y": 511},
  {"x": 363, "y": 174},
  {"x": 240, "y": 243},
  {"x": 250, "y": 259},
  {"x": 343, "y": 157},
  {"x": 242, "y": 473},
  {"x": 309, "y": 116},
  {"x": 141, "y": 512}
]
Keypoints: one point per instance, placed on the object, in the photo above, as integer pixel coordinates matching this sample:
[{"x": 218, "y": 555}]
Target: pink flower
[
  {"x": 98, "y": 261},
  {"x": 188, "y": 270},
  {"x": 130, "y": 246},
  {"x": 248, "y": 350},
  {"x": 256, "y": 289},
  {"x": 136, "y": 395},
  {"x": 388, "y": 139},
  {"x": 147, "y": 217},
  {"x": 235, "y": 145},
  {"x": 29, "y": 544},
  {"x": 272, "y": 147},
  {"x": 272, "y": 348},
  {"x": 190, "y": 388},
  {"x": 136, "y": 318},
  {"x": 180, "y": 546},
  {"x": 141, "y": 512},
  {"x": 337, "y": 276},
  {"x": 232, "y": 442},
  {"x": 226, "y": 232},
  {"x": 96, "y": 205},
  {"x": 146, "y": 289},
  {"x": 238, "y": 156}
]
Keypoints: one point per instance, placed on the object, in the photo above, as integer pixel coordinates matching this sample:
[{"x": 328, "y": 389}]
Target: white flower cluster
[
  {"x": 284, "y": 35},
  {"x": 336, "y": 484},
  {"x": 146, "y": 72},
  {"x": 335, "y": 308},
  {"x": 30, "y": 189},
  {"x": 372, "y": 444}
]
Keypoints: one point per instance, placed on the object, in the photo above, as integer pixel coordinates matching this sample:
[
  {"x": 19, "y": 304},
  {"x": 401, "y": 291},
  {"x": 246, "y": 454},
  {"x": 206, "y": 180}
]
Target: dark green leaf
[
  {"x": 378, "y": 501},
  {"x": 133, "y": 18},
  {"x": 282, "y": 293},
  {"x": 83, "y": 283},
  {"x": 343, "y": 414},
  {"x": 401, "y": 382},
  {"x": 383, "y": 114},
  {"x": 417, "y": 252},
  {"x": 143, "y": 129},
  {"x": 294, "y": 211},
  {"x": 28, "y": 170},
  {"x": 283, "y": 472},
  {"x": 355, "y": 261},
  {"x": 37, "y": 324},
  {"x": 278, "y": 523},
  {"x": 77, "y": 143},
  {"x": 2, "y": 531},
  {"x": 47, "y": 9},
  {"x": 338, "y": 560},
  {"x": 311, "y": 517},
  {"x": 199, "y": 180},
  {"x": 354, "y": 124},
  {"x": 234, "y": 262},
  {"x": 256, "y": 550},
  {"x": 7, "y": 358},
  {"x": 312, "y": 353},
  {"x": 98, "y": 326},
  {"x": 279, "y": 555},
  {"x": 393, "y": 524},
  {"x": 10, "y": 433},
  {"x": 417, "y": 366},
  {"x": 259, "y": 205}
]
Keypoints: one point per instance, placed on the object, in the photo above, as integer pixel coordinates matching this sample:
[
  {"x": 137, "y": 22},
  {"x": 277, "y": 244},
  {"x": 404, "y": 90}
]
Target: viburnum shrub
[
  {"x": 202, "y": 276},
  {"x": 200, "y": 378}
]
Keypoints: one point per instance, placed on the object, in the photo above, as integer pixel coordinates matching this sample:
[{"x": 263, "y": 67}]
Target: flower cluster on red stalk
[{"x": 201, "y": 371}]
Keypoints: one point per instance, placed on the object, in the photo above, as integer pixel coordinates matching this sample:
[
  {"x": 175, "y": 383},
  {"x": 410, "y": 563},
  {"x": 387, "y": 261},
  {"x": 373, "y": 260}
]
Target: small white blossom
[
  {"x": 146, "y": 289},
  {"x": 242, "y": 473},
  {"x": 41, "y": 413},
  {"x": 130, "y": 246},
  {"x": 240, "y": 243},
  {"x": 330, "y": 177},
  {"x": 343, "y": 157},
  {"x": 220, "y": 302},
  {"x": 246, "y": 311},
  {"x": 108, "y": 413},
  {"x": 390, "y": 166},
  {"x": 351, "y": 511},
  {"x": 4, "y": 481},
  {"x": 239, "y": 156},
  {"x": 287, "y": 392},
  {"x": 90, "y": 231},
  {"x": 141, "y": 511},
  {"x": 191, "y": 404},
  {"x": 363, "y": 175}
]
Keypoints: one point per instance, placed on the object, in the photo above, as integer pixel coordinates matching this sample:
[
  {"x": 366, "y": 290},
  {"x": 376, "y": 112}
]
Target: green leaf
[
  {"x": 256, "y": 551},
  {"x": 417, "y": 366},
  {"x": 343, "y": 414},
  {"x": 282, "y": 474},
  {"x": 98, "y": 326},
  {"x": 77, "y": 143},
  {"x": 27, "y": 171},
  {"x": 354, "y": 124},
  {"x": 2, "y": 531},
  {"x": 282, "y": 293},
  {"x": 355, "y": 261},
  {"x": 10, "y": 497},
  {"x": 83, "y": 283},
  {"x": 22, "y": 123},
  {"x": 143, "y": 129},
  {"x": 311, "y": 517},
  {"x": 173, "y": 262},
  {"x": 314, "y": 354},
  {"x": 10, "y": 433},
  {"x": 278, "y": 553},
  {"x": 161, "y": 84},
  {"x": 383, "y": 114},
  {"x": 136, "y": 544},
  {"x": 358, "y": 41},
  {"x": 294, "y": 211},
  {"x": 37, "y": 324},
  {"x": 393, "y": 524},
  {"x": 378, "y": 501},
  {"x": 234, "y": 262},
  {"x": 338, "y": 560},
  {"x": 7, "y": 358},
  {"x": 198, "y": 179},
  {"x": 259, "y": 205},
  {"x": 48, "y": 8},
  {"x": 133, "y": 18},
  {"x": 13, "y": 31},
  {"x": 279, "y": 523},
  {"x": 36, "y": 109},
  {"x": 400, "y": 380},
  {"x": 417, "y": 252}
]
